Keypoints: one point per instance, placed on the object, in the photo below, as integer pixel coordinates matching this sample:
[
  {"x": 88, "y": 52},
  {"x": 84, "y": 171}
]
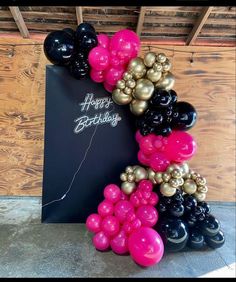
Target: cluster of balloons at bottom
[{"x": 126, "y": 227}]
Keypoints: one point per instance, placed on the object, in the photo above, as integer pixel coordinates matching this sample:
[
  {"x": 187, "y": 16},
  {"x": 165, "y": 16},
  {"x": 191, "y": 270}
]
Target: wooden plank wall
[{"x": 208, "y": 83}]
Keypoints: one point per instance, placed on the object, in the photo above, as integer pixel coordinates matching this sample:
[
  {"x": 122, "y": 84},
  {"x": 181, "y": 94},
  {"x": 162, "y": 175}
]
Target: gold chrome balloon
[
  {"x": 128, "y": 187},
  {"x": 127, "y": 76},
  {"x": 123, "y": 177},
  {"x": 153, "y": 75},
  {"x": 120, "y": 84},
  {"x": 130, "y": 83},
  {"x": 144, "y": 89},
  {"x": 166, "y": 82},
  {"x": 137, "y": 68},
  {"x": 127, "y": 91},
  {"x": 149, "y": 59},
  {"x": 159, "y": 177},
  {"x": 189, "y": 187},
  {"x": 120, "y": 97},
  {"x": 138, "y": 107},
  {"x": 140, "y": 173},
  {"x": 200, "y": 196},
  {"x": 166, "y": 66},
  {"x": 157, "y": 67},
  {"x": 151, "y": 175},
  {"x": 161, "y": 58},
  {"x": 167, "y": 190}
]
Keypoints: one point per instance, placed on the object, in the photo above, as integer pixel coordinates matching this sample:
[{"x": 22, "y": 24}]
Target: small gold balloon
[
  {"x": 130, "y": 178},
  {"x": 187, "y": 176},
  {"x": 202, "y": 189},
  {"x": 128, "y": 187},
  {"x": 195, "y": 175},
  {"x": 153, "y": 75},
  {"x": 200, "y": 181},
  {"x": 120, "y": 84},
  {"x": 120, "y": 98},
  {"x": 189, "y": 186},
  {"x": 161, "y": 58},
  {"x": 123, "y": 177},
  {"x": 158, "y": 177},
  {"x": 157, "y": 67},
  {"x": 127, "y": 76},
  {"x": 166, "y": 66},
  {"x": 138, "y": 107},
  {"x": 130, "y": 83},
  {"x": 166, "y": 176},
  {"x": 144, "y": 89},
  {"x": 151, "y": 175},
  {"x": 149, "y": 59},
  {"x": 167, "y": 190},
  {"x": 137, "y": 68},
  {"x": 140, "y": 173},
  {"x": 185, "y": 168},
  {"x": 176, "y": 173},
  {"x": 127, "y": 91},
  {"x": 166, "y": 82},
  {"x": 172, "y": 167},
  {"x": 200, "y": 196},
  {"x": 180, "y": 181},
  {"x": 129, "y": 169},
  {"x": 174, "y": 182}
]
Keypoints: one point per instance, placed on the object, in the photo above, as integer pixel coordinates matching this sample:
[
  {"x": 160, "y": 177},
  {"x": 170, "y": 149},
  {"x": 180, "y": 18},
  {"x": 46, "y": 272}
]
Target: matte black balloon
[
  {"x": 87, "y": 41},
  {"x": 215, "y": 241},
  {"x": 79, "y": 68},
  {"x": 174, "y": 233},
  {"x": 205, "y": 206},
  {"x": 84, "y": 27},
  {"x": 59, "y": 47},
  {"x": 196, "y": 239},
  {"x": 177, "y": 210},
  {"x": 186, "y": 116},
  {"x": 70, "y": 31},
  {"x": 210, "y": 226}
]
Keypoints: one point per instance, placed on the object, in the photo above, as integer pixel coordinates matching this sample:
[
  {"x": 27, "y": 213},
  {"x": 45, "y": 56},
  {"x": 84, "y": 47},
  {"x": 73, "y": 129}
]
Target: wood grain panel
[{"x": 208, "y": 83}]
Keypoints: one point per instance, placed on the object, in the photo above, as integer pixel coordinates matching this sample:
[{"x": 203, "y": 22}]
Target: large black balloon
[
  {"x": 174, "y": 234},
  {"x": 210, "y": 226},
  {"x": 196, "y": 239},
  {"x": 59, "y": 47},
  {"x": 79, "y": 68},
  {"x": 184, "y": 116},
  {"x": 87, "y": 41},
  {"x": 84, "y": 27},
  {"x": 215, "y": 241}
]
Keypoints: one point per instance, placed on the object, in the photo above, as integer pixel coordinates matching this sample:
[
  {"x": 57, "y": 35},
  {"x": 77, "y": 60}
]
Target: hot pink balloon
[
  {"x": 119, "y": 244},
  {"x": 113, "y": 75},
  {"x": 130, "y": 216},
  {"x": 136, "y": 224},
  {"x": 127, "y": 227},
  {"x": 103, "y": 40},
  {"x": 108, "y": 87},
  {"x": 93, "y": 223},
  {"x": 146, "y": 145},
  {"x": 159, "y": 162},
  {"x": 154, "y": 199},
  {"x": 146, "y": 246},
  {"x": 134, "y": 200},
  {"x": 143, "y": 159},
  {"x": 124, "y": 196},
  {"x": 138, "y": 136},
  {"x": 112, "y": 193},
  {"x": 105, "y": 208},
  {"x": 181, "y": 146},
  {"x": 147, "y": 215},
  {"x": 97, "y": 76},
  {"x": 121, "y": 209},
  {"x": 110, "y": 225},
  {"x": 145, "y": 185},
  {"x": 99, "y": 58},
  {"x": 116, "y": 62},
  {"x": 100, "y": 241}
]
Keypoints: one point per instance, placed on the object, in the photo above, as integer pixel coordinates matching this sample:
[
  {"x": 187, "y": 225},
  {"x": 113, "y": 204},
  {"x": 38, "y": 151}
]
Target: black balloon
[
  {"x": 79, "y": 68},
  {"x": 205, "y": 206},
  {"x": 59, "y": 47},
  {"x": 210, "y": 226},
  {"x": 160, "y": 98},
  {"x": 189, "y": 202},
  {"x": 70, "y": 31},
  {"x": 84, "y": 27},
  {"x": 215, "y": 241},
  {"x": 177, "y": 210},
  {"x": 184, "y": 117},
  {"x": 87, "y": 41},
  {"x": 196, "y": 239},
  {"x": 174, "y": 233}
]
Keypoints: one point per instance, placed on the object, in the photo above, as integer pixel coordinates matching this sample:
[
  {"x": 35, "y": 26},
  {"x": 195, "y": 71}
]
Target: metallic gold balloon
[
  {"x": 153, "y": 75},
  {"x": 166, "y": 176},
  {"x": 129, "y": 169},
  {"x": 166, "y": 66},
  {"x": 185, "y": 168},
  {"x": 151, "y": 175},
  {"x": 120, "y": 84},
  {"x": 123, "y": 177},
  {"x": 158, "y": 177},
  {"x": 157, "y": 67},
  {"x": 167, "y": 190},
  {"x": 189, "y": 187},
  {"x": 137, "y": 68},
  {"x": 180, "y": 181},
  {"x": 127, "y": 76},
  {"x": 120, "y": 98},
  {"x": 176, "y": 173},
  {"x": 149, "y": 59},
  {"x": 127, "y": 91},
  {"x": 200, "y": 181},
  {"x": 166, "y": 82},
  {"x": 161, "y": 58},
  {"x": 140, "y": 173},
  {"x": 202, "y": 189},
  {"x": 130, "y": 83},
  {"x": 174, "y": 182},
  {"x": 200, "y": 196},
  {"x": 138, "y": 107},
  {"x": 195, "y": 175},
  {"x": 172, "y": 167},
  {"x": 144, "y": 89},
  {"x": 128, "y": 187},
  {"x": 130, "y": 177}
]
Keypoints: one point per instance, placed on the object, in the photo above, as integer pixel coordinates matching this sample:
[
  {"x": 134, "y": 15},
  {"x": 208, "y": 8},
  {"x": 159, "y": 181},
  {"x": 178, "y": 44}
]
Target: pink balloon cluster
[
  {"x": 123, "y": 223},
  {"x": 158, "y": 152},
  {"x": 110, "y": 58}
]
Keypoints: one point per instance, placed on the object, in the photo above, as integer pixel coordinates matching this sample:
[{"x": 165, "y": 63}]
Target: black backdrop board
[{"x": 89, "y": 140}]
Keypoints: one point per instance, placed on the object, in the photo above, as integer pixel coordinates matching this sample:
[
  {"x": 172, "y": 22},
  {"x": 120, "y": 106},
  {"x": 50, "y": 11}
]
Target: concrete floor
[{"x": 31, "y": 249}]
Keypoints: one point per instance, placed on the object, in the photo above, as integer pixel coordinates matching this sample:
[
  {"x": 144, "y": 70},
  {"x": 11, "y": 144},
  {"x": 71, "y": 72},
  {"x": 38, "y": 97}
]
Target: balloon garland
[{"x": 160, "y": 205}]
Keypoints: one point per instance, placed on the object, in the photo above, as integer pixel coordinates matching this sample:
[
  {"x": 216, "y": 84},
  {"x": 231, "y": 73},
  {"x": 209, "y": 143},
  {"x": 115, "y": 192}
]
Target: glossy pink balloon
[
  {"x": 124, "y": 196},
  {"x": 97, "y": 76},
  {"x": 93, "y": 222},
  {"x": 108, "y": 87},
  {"x": 103, "y": 40},
  {"x": 159, "y": 162},
  {"x": 105, "y": 208},
  {"x": 146, "y": 145},
  {"x": 181, "y": 146},
  {"x": 154, "y": 199},
  {"x": 145, "y": 246},
  {"x": 112, "y": 193},
  {"x": 116, "y": 62},
  {"x": 110, "y": 225},
  {"x": 113, "y": 75},
  {"x": 99, "y": 58},
  {"x": 136, "y": 224},
  {"x": 143, "y": 159},
  {"x": 127, "y": 227},
  {"x": 134, "y": 200},
  {"x": 138, "y": 136},
  {"x": 100, "y": 241},
  {"x": 121, "y": 209},
  {"x": 148, "y": 215},
  {"x": 119, "y": 244},
  {"x": 145, "y": 185}
]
